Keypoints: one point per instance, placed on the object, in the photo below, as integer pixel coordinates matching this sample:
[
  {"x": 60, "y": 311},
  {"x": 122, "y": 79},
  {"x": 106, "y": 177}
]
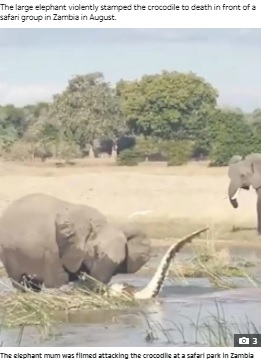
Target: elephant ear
[
  {"x": 138, "y": 247},
  {"x": 72, "y": 233}
]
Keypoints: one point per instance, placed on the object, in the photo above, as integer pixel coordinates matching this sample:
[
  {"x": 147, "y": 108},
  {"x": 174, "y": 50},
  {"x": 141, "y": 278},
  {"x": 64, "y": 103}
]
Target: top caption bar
[{"x": 123, "y": 14}]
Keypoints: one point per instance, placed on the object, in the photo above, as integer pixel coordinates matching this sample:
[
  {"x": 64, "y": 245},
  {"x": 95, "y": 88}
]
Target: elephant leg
[
  {"x": 54, "y": 273},
  {"x": 18, "y": 272},
  {"x": 259, "y": 211}
]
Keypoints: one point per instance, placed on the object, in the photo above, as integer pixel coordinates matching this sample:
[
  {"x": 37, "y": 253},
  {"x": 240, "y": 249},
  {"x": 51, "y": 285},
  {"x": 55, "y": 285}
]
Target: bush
[
  {"x": 177, "y": 152},
  {"x": 231, "y": 135},
  {"x": 222, "y": 152},
  {"x": 147, "y": 147},
  {"x": 18, "y": 151},
  {"x": 68, "y": 150},
  {"x": 129, "y": 157}
]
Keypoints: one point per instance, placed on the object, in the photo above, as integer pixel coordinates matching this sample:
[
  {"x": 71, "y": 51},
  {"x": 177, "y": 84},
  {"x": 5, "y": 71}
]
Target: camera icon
[{"x": 243, "y": 340}]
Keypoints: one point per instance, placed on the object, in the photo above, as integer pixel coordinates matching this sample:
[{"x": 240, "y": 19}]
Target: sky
[{"x": 37, "y": 63}]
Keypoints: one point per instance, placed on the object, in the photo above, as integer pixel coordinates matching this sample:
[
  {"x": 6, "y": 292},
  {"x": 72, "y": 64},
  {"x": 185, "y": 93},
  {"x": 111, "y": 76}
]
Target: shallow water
[
  {"x": 181, "y": 316},
  {"x": 178, "y": 317}
]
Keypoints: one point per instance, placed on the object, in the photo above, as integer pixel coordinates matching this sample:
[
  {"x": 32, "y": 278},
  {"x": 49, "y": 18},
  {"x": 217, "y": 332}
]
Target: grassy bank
[
  {"x": 42, "y": 309},
  {"x": 215, "y": 264},
  {"x": 207, "y": 260}
]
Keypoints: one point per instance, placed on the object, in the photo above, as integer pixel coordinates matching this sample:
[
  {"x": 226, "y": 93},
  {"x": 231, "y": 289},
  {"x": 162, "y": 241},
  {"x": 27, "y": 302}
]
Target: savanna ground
[{"x": 176, "y": 201}]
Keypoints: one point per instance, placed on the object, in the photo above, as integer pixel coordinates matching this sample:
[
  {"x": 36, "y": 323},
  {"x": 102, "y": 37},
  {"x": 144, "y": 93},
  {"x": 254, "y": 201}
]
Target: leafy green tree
[
  {"x": 230, "y": 134},
  {"x": 12, "y": 125},
  {"x": 170, "y": 113},
  {"x": 88, "y": 110},
  {"x": 166, "y": 105}
]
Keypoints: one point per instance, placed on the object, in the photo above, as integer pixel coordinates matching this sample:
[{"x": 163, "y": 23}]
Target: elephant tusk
[{"x": 234, "y": 197}]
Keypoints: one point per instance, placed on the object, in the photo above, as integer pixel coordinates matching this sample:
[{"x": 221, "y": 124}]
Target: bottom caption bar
[{"x": 247, "y": 340}]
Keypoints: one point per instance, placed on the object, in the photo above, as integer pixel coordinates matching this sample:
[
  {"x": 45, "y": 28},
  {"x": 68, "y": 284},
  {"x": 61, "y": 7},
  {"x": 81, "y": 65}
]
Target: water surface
[{"x": 182, "y": 315}]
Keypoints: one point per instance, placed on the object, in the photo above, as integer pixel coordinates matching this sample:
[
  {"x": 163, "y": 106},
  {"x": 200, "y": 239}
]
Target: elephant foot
[{"x": 31, "y": 282}]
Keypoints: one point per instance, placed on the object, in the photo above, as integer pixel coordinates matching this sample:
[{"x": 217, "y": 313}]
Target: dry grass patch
[
  {"x": 164, "y": 231},
  {"x": 30, "y": 308},
  {"x": 216, "y": 265}
]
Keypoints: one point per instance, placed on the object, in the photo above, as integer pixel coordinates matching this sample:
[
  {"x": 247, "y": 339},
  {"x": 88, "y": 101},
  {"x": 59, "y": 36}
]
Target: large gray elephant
[
  {"x": 243, "y": 173},
  {"x": 50, "y": 241}
]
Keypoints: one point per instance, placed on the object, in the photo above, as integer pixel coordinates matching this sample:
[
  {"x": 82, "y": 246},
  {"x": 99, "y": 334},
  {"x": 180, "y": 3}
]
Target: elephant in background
[
  {"x": 243, "y": 173},
  {"x": 48, "y": 241}
]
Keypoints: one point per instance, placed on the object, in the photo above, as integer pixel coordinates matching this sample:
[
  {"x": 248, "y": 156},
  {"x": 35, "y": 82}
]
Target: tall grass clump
[
  {"x": 214, "y": 330},
  {"x": 32, "y": 308}
]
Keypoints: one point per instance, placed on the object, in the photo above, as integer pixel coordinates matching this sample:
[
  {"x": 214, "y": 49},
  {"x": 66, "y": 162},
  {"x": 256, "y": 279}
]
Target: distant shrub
[
  {"x": 222, "y": 152},
  {"x": 18, "y": 151},
  {"x": 147, "y": 147},
  {"x": 129, "y": 157},
  {"x": 178, "y": 152},
  {"x": 68, "y": 150}
]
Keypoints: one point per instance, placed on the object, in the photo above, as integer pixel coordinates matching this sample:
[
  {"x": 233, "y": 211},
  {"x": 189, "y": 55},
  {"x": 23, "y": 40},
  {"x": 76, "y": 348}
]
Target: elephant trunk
[
  {"x": 155, "y": 284},
  {"x": 233, "y": 190}
]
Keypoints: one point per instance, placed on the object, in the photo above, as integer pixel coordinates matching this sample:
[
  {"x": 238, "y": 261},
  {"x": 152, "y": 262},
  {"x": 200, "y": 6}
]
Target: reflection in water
[{"x": 180, "y": 313}]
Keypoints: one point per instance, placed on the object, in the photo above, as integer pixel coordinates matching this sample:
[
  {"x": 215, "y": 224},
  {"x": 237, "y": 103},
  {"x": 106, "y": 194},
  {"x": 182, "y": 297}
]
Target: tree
[
  {"x": 166, "y": 105},
  {"x": 170, "y": 114},
  {"x": 12, "y": 125},
  {"x": 88, "y": 110},
  {"x": 230, "y": 135}
]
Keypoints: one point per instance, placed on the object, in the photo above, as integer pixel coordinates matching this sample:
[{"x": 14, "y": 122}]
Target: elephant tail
[{"x": 155, "y": 284}]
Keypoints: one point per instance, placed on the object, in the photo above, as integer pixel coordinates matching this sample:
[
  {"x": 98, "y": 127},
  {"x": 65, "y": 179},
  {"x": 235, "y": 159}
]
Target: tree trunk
[{"x": 91, "y": 152}]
